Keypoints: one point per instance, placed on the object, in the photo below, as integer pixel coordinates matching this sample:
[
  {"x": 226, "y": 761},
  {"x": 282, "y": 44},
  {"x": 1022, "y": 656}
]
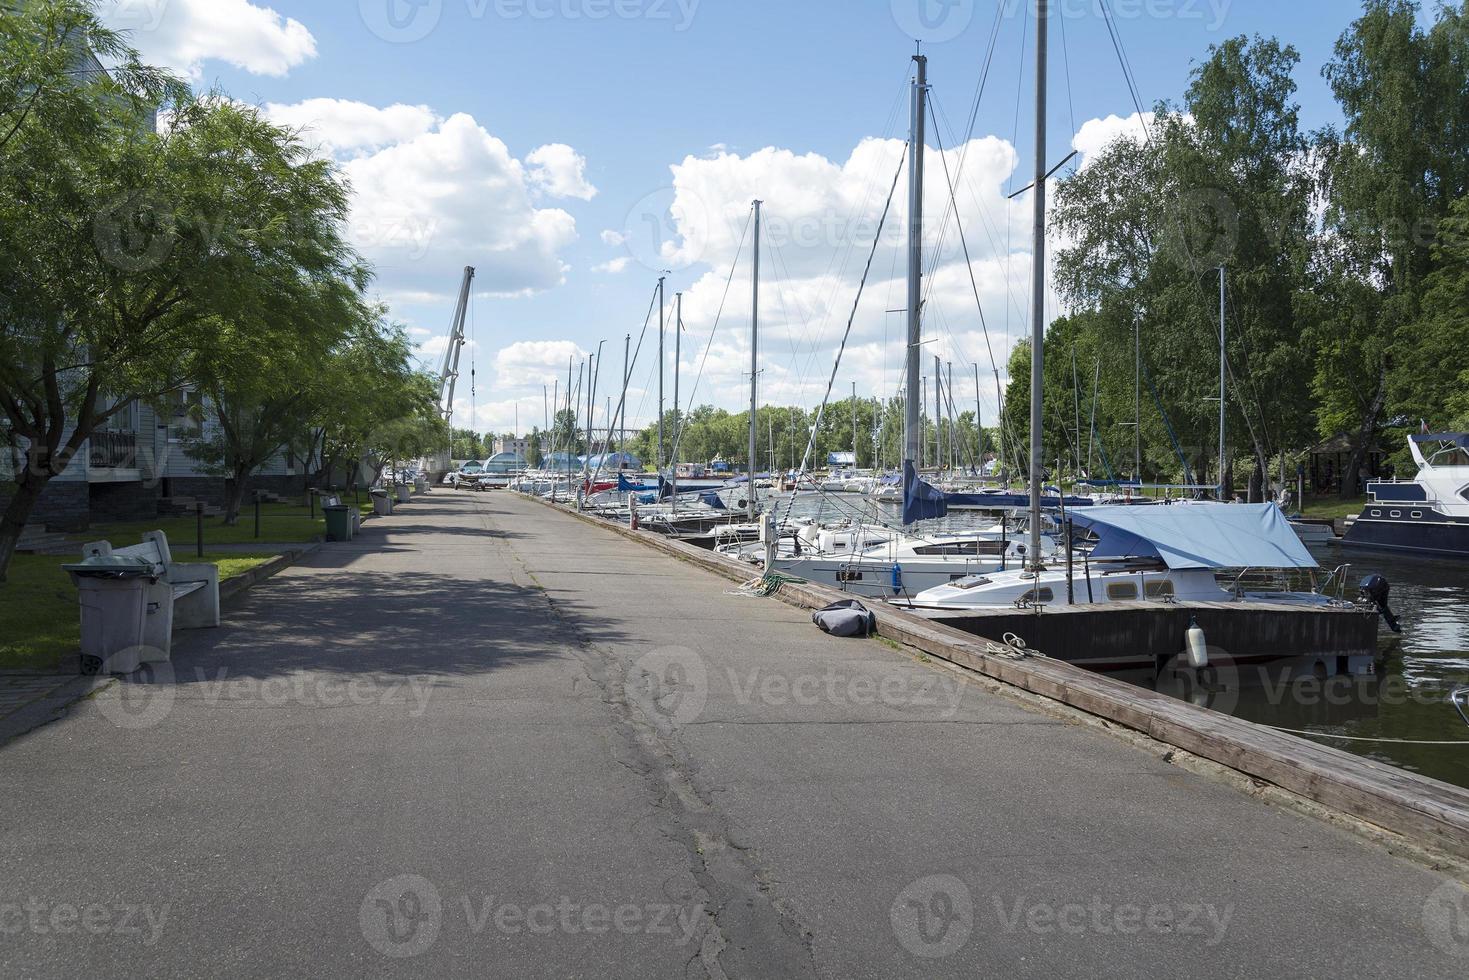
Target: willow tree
[{"x": 93, "y": 310}]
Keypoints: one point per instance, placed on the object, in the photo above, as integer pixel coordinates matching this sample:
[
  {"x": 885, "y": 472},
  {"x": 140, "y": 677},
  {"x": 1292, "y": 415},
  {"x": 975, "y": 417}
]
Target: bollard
[
  {"x": 311, "y": 495},
  {"x": 772, "y": 541},
  {"x": 199, "y": 527},
  {"x": 257, "y": 515}
]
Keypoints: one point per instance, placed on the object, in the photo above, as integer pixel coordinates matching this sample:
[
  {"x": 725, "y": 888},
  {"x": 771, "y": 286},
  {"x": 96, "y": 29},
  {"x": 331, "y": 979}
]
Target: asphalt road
[{"x": 486, "y": 740}]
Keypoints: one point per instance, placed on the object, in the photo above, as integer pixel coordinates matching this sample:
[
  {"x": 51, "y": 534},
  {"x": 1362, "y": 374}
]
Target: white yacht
[
  {"x": 1430, "y": 515},
  {"x": 878, "y": 562}
]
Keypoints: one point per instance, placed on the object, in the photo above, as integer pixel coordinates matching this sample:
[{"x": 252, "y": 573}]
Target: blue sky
[{"x": 526, "y": 129}]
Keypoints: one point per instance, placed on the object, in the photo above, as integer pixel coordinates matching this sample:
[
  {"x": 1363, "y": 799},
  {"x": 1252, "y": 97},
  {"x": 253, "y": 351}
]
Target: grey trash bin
[
  {"x": 404, "y": 493},
  {"x": 382, "y": 503},
  {"x": 127, "y": 613}
]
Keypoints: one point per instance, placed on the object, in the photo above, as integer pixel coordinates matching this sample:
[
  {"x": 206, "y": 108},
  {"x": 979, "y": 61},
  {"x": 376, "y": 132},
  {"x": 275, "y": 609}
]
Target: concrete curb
[
  {"x": 53, "y": 705},
  {"x": 1428, "y": 812}
]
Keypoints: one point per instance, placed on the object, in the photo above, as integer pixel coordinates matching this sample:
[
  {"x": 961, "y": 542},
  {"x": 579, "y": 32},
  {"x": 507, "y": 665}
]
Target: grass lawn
[
  {"x": 1331, "y": 508},
  {"x": 39, "y": 618},
  {"x": 279, "y": 523}
]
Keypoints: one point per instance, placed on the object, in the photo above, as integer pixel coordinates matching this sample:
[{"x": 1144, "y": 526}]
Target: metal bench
[{"x": 195, "y": 586}]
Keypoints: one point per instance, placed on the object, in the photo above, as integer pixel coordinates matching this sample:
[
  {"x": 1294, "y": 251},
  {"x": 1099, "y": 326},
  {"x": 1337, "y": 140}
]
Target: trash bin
[
  {"x": 421, "y": 485},
  {"x": 338, "y": 523},
  {"x": 382, "y": 503},
  {"x": 404, "y": 493},
  {"x": 126, "y": 611}
]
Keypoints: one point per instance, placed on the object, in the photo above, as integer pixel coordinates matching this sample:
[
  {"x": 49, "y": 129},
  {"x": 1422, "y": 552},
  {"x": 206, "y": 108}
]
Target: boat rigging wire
[{"x": 856, "y": 302}]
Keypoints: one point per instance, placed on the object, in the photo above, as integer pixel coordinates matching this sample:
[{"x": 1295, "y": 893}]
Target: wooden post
[{"x": 199, "y": 527}]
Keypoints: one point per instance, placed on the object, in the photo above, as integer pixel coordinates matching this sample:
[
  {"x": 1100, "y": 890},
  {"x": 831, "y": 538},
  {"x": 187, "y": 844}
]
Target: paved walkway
[{"x": 487, "y": 740}]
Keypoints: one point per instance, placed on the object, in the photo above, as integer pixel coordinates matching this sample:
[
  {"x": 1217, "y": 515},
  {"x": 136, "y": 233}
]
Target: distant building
[
  {"x": 502, "y": 444},
  {"x": 838, "y": 460}
]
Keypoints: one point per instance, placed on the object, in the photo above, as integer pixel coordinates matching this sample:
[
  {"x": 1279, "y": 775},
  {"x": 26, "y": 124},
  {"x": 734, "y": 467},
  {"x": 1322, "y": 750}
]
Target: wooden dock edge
[{"x": 1428, "y": 813}]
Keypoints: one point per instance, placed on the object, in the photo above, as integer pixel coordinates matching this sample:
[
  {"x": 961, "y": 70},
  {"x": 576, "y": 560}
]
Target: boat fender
[
  {"x": 1196, "y": 650},
  {"x": 1376, "y": 590},
  {"x": 897, "y": 579}
]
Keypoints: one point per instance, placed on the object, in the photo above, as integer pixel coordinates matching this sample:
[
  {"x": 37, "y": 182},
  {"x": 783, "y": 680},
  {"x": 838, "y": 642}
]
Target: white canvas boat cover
[{"x": 1197, "y": 535}]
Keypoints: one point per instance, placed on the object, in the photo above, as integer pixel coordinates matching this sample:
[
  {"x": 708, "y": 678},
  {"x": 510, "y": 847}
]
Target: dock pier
[{"x": 492, "y": 737}]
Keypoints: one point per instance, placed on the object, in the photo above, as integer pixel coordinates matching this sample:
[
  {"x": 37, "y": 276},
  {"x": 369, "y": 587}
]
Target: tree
[
  {"x": 1391, "y": 179},
  {"x": 102, "y": 288},
  {"x": 1220, "y": 182}
]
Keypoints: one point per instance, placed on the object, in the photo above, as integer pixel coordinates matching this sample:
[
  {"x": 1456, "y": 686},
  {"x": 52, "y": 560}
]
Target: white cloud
[
  {"x": 341, "y": 126},
  {"x": 820, "y": 220},
  {"x": 183, "y": 34},
  {"x": 613, "y": 266},
  {"x": 614, "y": 238},
  {"x": 448, "y": 197},
  {"x": 1096, "y": 135},
  {"x": 559, "y": 171}
]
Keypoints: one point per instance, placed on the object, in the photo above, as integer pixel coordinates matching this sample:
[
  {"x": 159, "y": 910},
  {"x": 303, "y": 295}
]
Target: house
[{"x": 511, "y": 444}]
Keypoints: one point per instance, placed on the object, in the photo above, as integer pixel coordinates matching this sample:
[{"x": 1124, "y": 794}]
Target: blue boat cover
[
  {"x": 921, "y": 500},
  {"x": 713, "y": 500},
  {"x": 1198, "y": 535}
]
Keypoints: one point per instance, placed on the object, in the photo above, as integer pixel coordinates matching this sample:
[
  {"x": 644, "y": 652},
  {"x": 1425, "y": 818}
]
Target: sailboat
[{"x": 1181, "y": 548}]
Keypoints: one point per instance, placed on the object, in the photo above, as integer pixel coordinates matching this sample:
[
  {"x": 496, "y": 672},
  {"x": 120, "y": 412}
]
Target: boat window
[
  {"x": 1377, "y": 513},
  {"x": 1121, "y": 591},
  {"x": 1396, "y": 513},
  {"x": 1157, "y": 590},
  {"x": 958, "y": 548},
  {"x": 1044, "y": 595},
  {"x": 1464, "y": 493},
  {"x": 973, "y": 582},
  {"x": 1417, "y": 515}
]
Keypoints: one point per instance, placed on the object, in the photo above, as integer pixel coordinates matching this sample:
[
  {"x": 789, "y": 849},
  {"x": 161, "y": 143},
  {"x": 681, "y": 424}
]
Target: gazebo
[{"x": 1331, "y": 459}]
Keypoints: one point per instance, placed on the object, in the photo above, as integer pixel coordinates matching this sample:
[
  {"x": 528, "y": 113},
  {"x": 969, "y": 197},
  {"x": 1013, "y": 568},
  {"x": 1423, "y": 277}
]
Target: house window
[{"x": 1121, "y": 591}]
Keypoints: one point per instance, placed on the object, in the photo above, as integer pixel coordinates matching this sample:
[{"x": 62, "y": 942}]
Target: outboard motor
[{"x": 1376, "y": 590}]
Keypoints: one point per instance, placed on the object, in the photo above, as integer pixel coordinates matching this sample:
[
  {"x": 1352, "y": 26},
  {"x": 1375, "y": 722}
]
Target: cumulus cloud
[
  {"x": 184, "y": 34},
  {"x": 557, "y": 170},
  {"x": 448, "y": 197},
  {"x": 515, "y": 393},
  {"x": 613, "y": 266},
  {"x": 1096, "y": 135},
  {"x": 341, "y": 126},
  {"x": 614, "y": 238},
  {"x": 820, "y": 221}
]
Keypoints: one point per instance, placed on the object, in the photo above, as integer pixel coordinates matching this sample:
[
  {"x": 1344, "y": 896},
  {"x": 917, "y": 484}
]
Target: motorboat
[{"x": 1430, "y": 514}]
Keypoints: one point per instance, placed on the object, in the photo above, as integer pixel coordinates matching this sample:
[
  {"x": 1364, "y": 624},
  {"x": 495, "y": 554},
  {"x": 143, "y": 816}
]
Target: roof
[
  {"x": 1198, "y": 535},
  {"x": 1344, "y": 442}
]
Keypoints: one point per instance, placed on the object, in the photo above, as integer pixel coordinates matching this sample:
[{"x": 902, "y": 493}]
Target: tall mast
[
  {"x": 938, "y": 414},
  {"x": 661, "y": 280},
  {"x": 978, "y": 427},
  {"x": 1223, "y": 369},
  {"x": 622, "y": 405},
  {"x": 913, "y": 407},
  {"x": 677, "y": 355},
  {"x": 754, "y": 364},
  {"x": 854, "y": 423},
  {"x": 1137, "y": 400},
  {"x": 1038, "y": 296}
]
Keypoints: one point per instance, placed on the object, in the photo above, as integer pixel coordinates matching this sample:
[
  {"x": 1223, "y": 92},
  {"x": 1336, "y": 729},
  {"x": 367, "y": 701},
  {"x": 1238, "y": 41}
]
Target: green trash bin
[{"x": 338, "y": 523}]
